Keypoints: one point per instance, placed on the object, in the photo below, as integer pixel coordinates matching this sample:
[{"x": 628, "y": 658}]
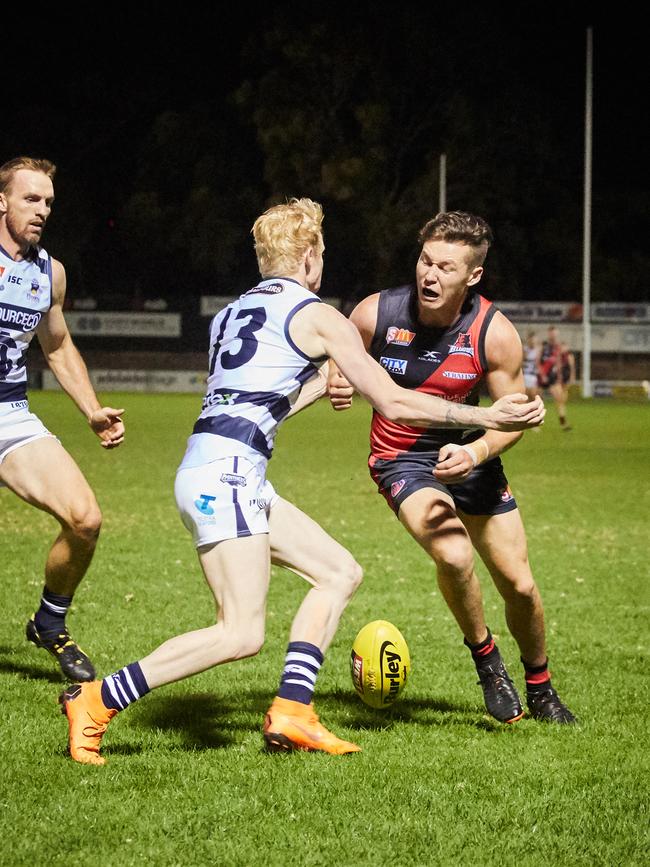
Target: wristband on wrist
[{"x": 472, "y": 452}]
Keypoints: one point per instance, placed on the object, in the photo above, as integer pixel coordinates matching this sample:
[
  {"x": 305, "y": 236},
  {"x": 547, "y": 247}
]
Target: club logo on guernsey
[
  {"x": 34, "y": 290},
  {"x": 203, "y": 504},
  {"x": 399, "y": 336},
  {"x": 462, "y": 346},
  {"x": 394, "y": 365},
  {"x": 234, "y": 480}
]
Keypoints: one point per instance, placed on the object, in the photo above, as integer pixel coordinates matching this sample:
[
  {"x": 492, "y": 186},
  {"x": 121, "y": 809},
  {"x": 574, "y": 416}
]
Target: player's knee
[
  {"x": 247, "y": 643},
  {"x": 347, "y": 577},
  {"x": 251, "y": 646},
  {"x": 85, "y": 522},
  {"x": 455, "y": 561},
  {"x": 525, "y": 591}
]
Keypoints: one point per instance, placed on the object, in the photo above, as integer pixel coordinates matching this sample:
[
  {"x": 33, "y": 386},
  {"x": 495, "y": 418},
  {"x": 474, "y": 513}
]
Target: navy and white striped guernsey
[
  {"x": 256, "y": 373},
  {"x": 25, "y": 297}
]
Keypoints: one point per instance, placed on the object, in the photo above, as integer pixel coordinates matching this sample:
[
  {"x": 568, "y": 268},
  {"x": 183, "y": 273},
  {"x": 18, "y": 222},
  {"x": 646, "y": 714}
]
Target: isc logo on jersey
[
  {"x": 394, "y": 365},
  {"x": 380, "y": 664}
]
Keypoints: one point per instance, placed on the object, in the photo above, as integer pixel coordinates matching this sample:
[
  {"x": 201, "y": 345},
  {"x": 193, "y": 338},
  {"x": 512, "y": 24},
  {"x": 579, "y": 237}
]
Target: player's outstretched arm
[
  {"x": 321, "y": 330},
  {"x": 68, "y": 366}
]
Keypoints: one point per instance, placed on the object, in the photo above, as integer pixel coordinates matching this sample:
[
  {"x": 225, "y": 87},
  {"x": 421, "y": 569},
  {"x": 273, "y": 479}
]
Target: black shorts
[{"x": 484, "y": 492}]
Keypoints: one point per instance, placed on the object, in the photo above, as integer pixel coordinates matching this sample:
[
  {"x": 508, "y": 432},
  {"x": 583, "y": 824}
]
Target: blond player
[{"x": 264, "y": 348}]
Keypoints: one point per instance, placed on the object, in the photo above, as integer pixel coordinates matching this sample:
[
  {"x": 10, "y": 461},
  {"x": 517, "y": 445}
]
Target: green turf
[{"x": 437, "y": 782}]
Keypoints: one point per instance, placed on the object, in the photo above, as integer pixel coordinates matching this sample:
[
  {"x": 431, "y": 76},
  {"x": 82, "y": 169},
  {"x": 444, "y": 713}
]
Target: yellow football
[{"x": 380, "y": 663}]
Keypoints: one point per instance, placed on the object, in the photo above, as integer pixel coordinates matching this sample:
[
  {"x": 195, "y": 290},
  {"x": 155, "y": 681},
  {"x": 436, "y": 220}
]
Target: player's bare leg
[
  {"x": 501, "y": 543},
  {"x": 560, "y": 394},
  {"x": 66, "y": 495},
  {"x": 300, "y": 544},
  {"x": 237, "y": 571},
  {"x": 430, "y": 517}
]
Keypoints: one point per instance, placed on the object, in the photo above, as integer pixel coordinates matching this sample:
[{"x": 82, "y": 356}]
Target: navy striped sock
[
  {"x": 127, "y": 685},
  {"x": 301, "y": 667},
  {"x": 50, "y": 617}
]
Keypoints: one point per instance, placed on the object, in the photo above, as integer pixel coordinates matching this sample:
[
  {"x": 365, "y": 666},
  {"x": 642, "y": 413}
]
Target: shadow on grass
[
  {"x": 8, "y": 665},
  {"x": 426, "y": 712},
  {"x": 202, "y": 720}
]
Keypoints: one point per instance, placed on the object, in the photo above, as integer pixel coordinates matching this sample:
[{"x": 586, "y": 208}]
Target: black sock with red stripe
[
  {"x": 485, "y": 652},
  {"x": 538, "y": 677}
]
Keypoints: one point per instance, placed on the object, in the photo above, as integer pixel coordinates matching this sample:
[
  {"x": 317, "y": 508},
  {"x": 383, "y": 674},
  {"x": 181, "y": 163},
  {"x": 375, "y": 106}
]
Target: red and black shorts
[{"x": 484, "y": 492}]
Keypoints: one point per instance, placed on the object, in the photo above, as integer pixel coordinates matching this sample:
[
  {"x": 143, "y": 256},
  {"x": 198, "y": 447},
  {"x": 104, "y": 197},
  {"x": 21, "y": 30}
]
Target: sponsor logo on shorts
[
  {"x": 455, "y": 374},
  {"x": 462, "y": 346},
  {"x": 271, "y": 289},
  {"x": 506, "y": 495},
  {"x": 429, "y": 355},
  {"x": 396, "y": 487},
  {"x": 261, "y": 502},
  {"x": 394, "y": 365},
  {"x": 234, "y": 480},
  {"x": 400, "y": 336},
  {"x": 203, "y": 504}
]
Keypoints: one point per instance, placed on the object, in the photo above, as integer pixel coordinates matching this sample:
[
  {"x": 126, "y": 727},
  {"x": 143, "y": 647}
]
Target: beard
[{"x": 24, "y": 235}]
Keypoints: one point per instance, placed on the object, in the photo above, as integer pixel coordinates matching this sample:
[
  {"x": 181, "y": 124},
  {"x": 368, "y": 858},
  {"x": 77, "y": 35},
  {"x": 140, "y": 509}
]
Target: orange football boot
[
  {"x": 292, "y": 725},
  {"x": 88, "y": 718}
]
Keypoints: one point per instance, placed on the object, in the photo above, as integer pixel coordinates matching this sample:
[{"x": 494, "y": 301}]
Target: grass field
[{"x": 438, "y": 782}]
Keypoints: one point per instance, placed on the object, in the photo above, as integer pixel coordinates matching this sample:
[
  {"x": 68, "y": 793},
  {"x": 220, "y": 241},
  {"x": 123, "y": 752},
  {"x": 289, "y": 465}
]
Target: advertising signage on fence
[
  {"x": 562, "y": 311},
  {"x": 604, "y": 338},
  {"x": 149, "y": 381},
  {"x": 620, "y": 312},
  {"x": 533, "y": 311},
  {"x": 104, "y": 324}
]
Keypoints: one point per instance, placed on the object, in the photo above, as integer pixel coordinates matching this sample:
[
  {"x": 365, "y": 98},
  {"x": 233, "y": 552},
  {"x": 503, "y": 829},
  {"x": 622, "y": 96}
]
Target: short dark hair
[{"x": 458, "y": 226}]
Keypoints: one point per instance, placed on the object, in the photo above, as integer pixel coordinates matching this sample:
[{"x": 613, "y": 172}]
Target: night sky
[{"x": 89, "y": 93}]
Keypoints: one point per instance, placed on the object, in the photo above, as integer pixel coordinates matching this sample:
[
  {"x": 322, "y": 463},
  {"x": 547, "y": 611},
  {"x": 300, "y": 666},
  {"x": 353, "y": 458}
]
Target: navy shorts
[{"x": 484, "y": 492}]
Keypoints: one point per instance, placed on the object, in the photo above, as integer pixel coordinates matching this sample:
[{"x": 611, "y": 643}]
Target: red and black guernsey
[{"x": 445, "y": 362}]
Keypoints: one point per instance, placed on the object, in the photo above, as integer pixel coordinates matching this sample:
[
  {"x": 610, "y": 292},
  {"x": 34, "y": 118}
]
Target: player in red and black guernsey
[
  {"x": 557, "y": 371},
  {"x": 448, "y": 488}
]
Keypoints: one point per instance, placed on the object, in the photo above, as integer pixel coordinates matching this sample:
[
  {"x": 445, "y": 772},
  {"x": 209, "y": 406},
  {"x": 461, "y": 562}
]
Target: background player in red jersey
[
  {"x": 448, "y": 489},
  {"x": 557, "y": 371}
]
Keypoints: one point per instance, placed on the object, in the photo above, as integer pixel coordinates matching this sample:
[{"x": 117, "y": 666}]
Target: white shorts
[
  {"x": 225, "y": 499},
  {"x": 530, "y": 380},
  {"x": 18, "y": 426}
]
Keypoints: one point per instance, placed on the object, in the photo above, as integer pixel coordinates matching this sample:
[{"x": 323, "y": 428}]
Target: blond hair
[
  {"x": 284, "y": 233},
  {"x": 9, "y": 169}
]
